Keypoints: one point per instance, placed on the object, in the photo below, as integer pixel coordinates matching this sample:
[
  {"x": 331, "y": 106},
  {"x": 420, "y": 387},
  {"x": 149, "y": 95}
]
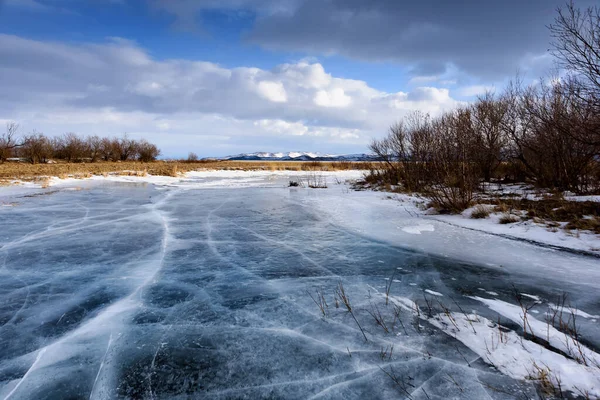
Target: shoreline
[{"x": 584, "y": 243}]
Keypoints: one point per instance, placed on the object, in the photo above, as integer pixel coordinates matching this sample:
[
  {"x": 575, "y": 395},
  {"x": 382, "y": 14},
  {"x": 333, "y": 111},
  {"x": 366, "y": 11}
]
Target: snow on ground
[
  {"x": 527, "y": 230},
  {"x": 206, "y": 179},
  {"x": 363, "y": 212},
  {"x": 544, "y": 330},
  {"x": 514, "y": 355}
]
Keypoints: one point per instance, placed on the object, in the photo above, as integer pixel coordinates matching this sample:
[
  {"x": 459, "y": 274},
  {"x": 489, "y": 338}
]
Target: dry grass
[
  {"x": 15, "y": 170},
  {"x": 508, "y": 219},
  {"x": 578, "y": 215},
  {"x": 480, "y": 212}
]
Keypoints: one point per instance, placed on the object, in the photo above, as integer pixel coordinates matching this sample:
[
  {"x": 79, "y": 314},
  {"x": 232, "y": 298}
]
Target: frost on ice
[{"x": 134, "y": 290}]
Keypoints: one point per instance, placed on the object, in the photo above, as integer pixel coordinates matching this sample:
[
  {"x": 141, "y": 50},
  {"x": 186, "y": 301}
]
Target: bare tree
[
  {"x": 72, "y": 148},
  {"x": 146, "y": 151},
  {"x": 551, "y": 120},
  {"x": 36, "y": 148},
  {"x": 8, "y": 141},
  {"x": 454, "y": 174},
  {"x": 576, "y": 45},
  {"x": 94, "y": 147},
  {"x": 107, "y": 150},
  {"x": 127, "y": 148},
  {"x": 490, "y": 141},
  {"x": 406, "y": 151}
]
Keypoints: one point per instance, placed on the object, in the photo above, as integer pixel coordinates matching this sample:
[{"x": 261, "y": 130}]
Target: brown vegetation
[
  {"x": 37, "y": 148},
  {"x": 575, "y": 215},
  {"x": 25, "y": 171}
]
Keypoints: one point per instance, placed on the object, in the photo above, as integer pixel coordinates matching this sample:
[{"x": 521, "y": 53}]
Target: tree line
[
  {"x": 38, "y": 148},
  {"x": 546, "y": 133}
]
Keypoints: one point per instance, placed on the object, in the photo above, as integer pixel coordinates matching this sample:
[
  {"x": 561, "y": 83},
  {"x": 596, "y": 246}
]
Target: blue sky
[{"x": 231, "y": 76}]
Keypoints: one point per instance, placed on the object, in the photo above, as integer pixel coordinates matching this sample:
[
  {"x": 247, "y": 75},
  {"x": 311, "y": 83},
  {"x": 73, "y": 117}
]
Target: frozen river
[{"x": 125, "y": 290}]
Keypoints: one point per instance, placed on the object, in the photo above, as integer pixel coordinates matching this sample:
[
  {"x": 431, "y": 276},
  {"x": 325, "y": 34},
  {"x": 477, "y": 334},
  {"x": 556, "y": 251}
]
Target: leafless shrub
[
  {"x": 36, "y": 148},
  {"x": 316, "y": 181},
  {"x": 8, "y": 141},
  {"x": 488, "y": 115},
  {"x": 553, "y": 140}
]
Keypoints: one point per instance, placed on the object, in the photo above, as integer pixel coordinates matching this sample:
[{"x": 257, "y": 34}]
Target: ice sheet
[{"x": 129, "y": 289}]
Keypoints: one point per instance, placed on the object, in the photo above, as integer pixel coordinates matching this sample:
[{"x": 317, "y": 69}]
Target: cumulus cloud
[
  {"x": 273, "y": 91},
  {"x": 117, "y": 87},
  {"x": 333, "y": 98}
]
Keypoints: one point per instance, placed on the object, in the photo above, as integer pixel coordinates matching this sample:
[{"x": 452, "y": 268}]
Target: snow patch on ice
[
  {"x": 515, "y": 356},
  {"x": 416, "y": 230},
  {"x": 531, "y": 296},
  {"x": 544, "y": 330},
  {"x": 574, "y": 311},
  {"x": 512, "y": 354}
]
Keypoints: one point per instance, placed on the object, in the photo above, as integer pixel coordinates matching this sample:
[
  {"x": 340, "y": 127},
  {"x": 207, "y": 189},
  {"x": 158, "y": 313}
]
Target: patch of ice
[
  {"x": 416, "y": 230},
  {"x": 573, "y": 311},
  {"x": 531, "y": 296}
]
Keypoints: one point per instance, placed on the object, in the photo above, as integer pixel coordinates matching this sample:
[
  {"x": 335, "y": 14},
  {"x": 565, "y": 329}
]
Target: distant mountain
[{"x": 301, "y": 156}]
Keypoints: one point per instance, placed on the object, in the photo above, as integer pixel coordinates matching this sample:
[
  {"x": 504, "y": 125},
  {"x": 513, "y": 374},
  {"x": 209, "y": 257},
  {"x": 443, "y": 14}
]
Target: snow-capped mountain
[{"x": 302, "y": 156}]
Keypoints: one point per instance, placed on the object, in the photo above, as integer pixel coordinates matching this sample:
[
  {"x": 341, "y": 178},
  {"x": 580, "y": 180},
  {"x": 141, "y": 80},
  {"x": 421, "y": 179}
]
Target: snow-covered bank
[{"x": 526, "y": 230}]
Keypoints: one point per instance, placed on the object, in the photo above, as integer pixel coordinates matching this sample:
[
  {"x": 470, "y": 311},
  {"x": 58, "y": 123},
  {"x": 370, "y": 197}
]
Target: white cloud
[
  {"x": 117, "y": 87},
  {"x": 273, "y": 91},
  {"x": 333, "y": 98},
  {"x": 282, "y": 127}
]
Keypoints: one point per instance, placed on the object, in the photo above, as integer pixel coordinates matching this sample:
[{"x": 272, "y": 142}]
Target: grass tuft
[
  {"x": 508, "y": 219},
  {"x": 480, "y": 212}
]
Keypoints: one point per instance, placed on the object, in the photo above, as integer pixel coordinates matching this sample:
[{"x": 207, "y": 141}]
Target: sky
[{"x": 222, "y": 77}]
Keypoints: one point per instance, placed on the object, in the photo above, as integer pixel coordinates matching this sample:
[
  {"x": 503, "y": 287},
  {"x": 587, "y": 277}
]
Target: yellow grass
[{"x": 24, "y": 171}]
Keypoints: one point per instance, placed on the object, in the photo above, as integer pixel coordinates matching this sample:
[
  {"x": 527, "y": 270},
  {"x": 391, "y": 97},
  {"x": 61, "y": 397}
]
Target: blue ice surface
[{"x": 133, "y": 291}]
